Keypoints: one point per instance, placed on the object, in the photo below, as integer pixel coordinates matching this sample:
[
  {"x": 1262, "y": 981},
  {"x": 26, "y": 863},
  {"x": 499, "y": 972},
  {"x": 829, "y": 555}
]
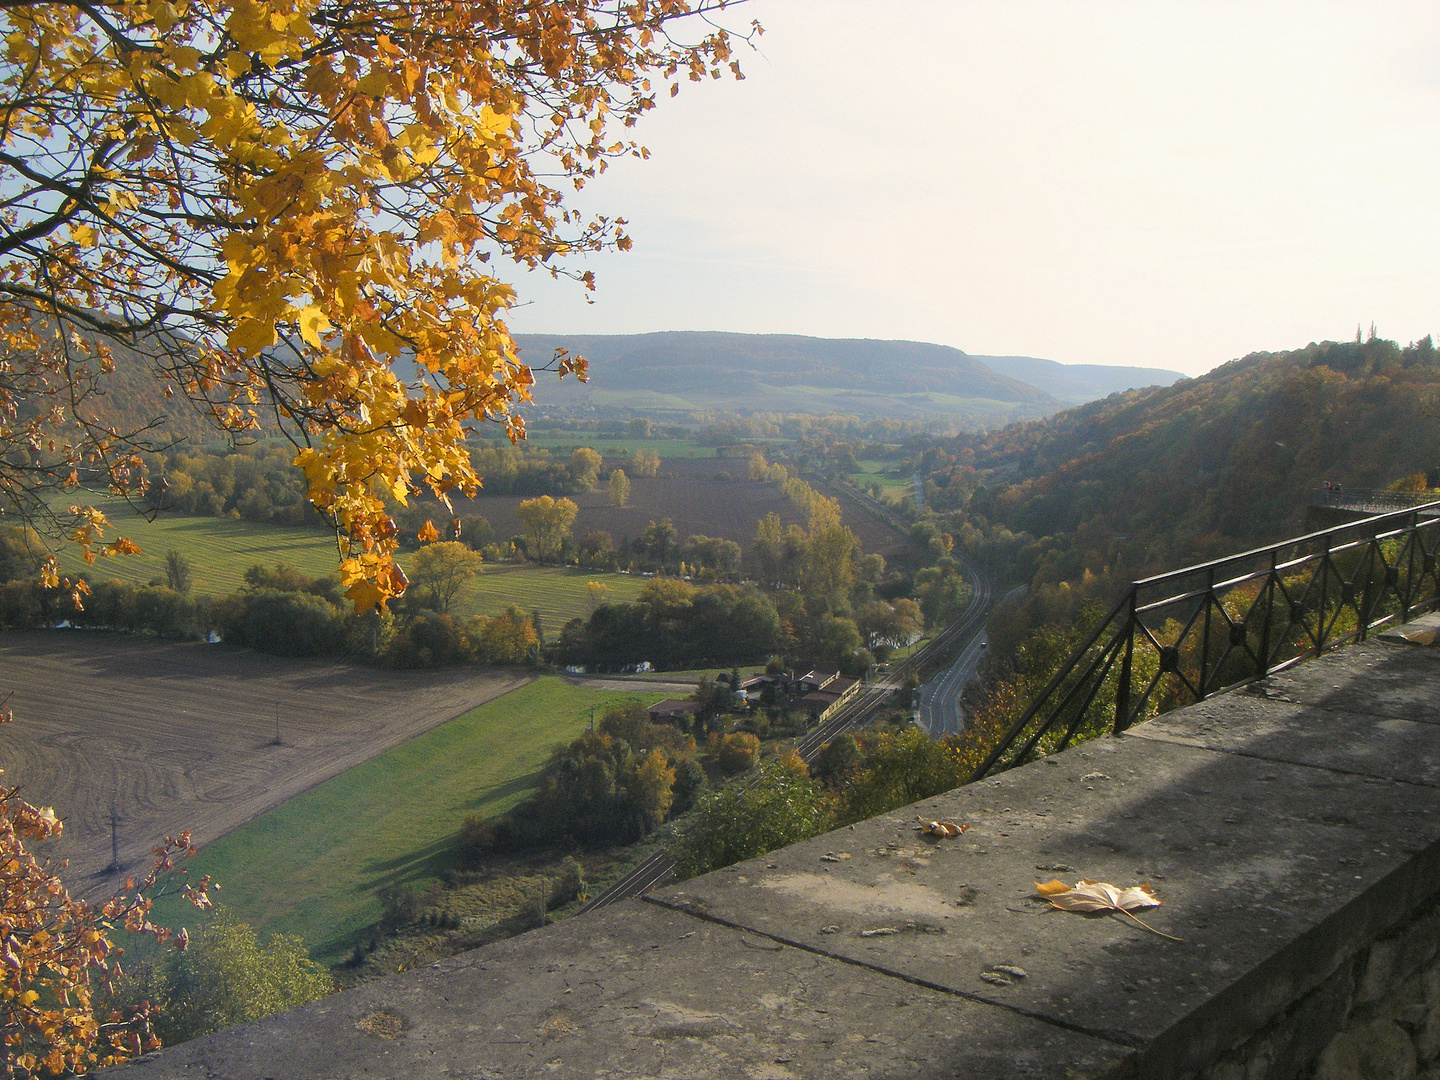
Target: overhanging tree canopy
[{"x": 273, "y": 201}]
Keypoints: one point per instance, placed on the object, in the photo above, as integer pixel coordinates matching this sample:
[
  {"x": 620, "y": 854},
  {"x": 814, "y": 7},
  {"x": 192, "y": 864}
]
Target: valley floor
[{"x": 167, "y": 736}]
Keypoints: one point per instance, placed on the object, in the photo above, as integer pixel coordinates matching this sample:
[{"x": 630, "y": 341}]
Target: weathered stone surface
[
  {"x": 1375, "y": 1051},
  {"x": 637, "y": 991},
  {"x": 1375, "y": 678},
  {"x": 1289, "y": 731},
  {"x": 1273, "y": 874}
]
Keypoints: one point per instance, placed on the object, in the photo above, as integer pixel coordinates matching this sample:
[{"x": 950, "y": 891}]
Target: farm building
[{"x": 671, "y": 710}]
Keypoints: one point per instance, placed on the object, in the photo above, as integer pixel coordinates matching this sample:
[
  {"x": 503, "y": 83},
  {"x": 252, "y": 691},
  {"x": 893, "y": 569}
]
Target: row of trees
[
  {"x": 675, "y": 624},
  {"x": 257, "y": 483},
  {"x": 283, "y": 612}
]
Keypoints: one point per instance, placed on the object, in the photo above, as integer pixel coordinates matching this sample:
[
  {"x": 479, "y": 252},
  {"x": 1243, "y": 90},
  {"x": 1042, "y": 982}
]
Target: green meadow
[
  {"x": 220, "y": 550},
  {"x": 311, "y": 866}
]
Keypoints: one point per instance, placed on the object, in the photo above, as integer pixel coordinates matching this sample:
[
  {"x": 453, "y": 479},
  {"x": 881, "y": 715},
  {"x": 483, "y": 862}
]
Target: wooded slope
[{"x": 1219, "y": 462}]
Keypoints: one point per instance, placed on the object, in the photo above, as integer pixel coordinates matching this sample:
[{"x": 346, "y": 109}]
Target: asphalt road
[{"x": 940, "y": 711}]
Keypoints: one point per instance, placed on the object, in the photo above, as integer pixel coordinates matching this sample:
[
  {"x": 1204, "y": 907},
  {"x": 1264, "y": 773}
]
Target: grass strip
[{"x": 311, "y": 866}]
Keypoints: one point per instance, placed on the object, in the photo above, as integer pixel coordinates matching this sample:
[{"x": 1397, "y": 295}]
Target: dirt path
[{"x": 180, "y": 735}]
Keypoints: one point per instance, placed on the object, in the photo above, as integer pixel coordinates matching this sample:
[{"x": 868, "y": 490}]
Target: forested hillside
[
  {"x": 1080, "y": 504},
  {"x": 1209, "y": 465}
]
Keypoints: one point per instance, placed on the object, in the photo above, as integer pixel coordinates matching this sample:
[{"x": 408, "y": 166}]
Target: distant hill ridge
[
  {"x": 1076, "y": 384},
  {"x": 788, "y": 372}
]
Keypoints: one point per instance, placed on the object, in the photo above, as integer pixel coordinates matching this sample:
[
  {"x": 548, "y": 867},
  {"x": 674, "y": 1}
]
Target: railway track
[{"x": 856, "y": 712}]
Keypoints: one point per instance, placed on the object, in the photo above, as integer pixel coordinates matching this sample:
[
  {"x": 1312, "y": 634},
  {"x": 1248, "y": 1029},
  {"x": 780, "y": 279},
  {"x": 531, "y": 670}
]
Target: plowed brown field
[
  {"x": 695, "y": 496},
  {"x": 181, "y": 736}
]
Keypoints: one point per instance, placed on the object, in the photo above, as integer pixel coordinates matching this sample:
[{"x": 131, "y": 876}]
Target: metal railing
[{"x": 1179, "y": 637}]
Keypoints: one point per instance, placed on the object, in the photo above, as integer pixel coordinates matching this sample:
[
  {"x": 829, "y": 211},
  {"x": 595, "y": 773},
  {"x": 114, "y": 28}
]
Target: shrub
[
  {"x": 736, "y": 752},
  {"x": 476, "y": 840},
  {"x": 399, "y": 904},
  {"x": 21, "y": 605},
  {"x": 429, "y": 641},
  {"x": 283, "y": 623},
  {"x": 227, "y": 977},
  {"x": 690, "y": 782},
  {"x": 741, "y": 821},
  {"x": 570, "y": 885},
  {"x": 837, "y": 757}
]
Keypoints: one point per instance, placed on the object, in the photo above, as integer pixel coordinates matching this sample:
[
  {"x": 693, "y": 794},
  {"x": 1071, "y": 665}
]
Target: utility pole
[
  {"x": 114, "y": 838},
  {"x": 276, "y": 741},
  {"x": 592, "y": 719}
]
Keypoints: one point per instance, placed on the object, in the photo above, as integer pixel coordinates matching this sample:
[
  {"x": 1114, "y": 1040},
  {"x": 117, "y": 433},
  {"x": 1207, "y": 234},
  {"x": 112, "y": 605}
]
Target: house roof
[
  {"x": 671, "y": 707},
  {"x": 819, "y": 673}
]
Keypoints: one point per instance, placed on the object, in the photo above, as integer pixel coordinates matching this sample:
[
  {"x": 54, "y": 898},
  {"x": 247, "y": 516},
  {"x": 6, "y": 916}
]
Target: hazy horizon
[{"x": 1137, "y": 185}]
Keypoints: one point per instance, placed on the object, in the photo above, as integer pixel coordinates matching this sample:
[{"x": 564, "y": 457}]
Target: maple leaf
[
  {"x": 428, "y": 534},
  {"x": 1088, "y": 896}
]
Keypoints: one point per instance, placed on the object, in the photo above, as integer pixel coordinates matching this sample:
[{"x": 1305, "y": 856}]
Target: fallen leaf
[
  {"x": 1089, "y": 895},
  {"x": 942, "y": 828}
]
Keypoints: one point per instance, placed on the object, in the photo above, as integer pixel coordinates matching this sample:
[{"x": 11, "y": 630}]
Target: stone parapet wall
[
  {"x": 1377, "y": 1017},
  {"x": 1292, "y": 831}
]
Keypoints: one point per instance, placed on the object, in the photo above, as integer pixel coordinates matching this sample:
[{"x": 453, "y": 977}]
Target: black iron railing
[{"x": 1182, "y": 636}]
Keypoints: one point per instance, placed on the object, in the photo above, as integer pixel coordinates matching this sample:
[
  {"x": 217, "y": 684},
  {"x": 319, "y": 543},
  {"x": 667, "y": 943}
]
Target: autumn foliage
[
  {"x": 287, "y": 208},
  {"x": 56, "y": 950}
]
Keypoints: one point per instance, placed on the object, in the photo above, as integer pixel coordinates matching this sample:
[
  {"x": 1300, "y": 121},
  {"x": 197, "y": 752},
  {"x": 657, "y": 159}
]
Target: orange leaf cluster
[{"x": 54, "y": 948}]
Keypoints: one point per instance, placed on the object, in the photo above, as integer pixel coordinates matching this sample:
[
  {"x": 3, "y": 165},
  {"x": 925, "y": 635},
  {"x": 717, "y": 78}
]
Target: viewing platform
[{"x": 1291, "y": 829}]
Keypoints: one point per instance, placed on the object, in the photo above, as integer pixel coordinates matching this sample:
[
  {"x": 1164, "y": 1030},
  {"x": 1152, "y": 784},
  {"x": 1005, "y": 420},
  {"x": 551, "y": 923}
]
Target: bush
[
  {"x": 399, "y": 904},
  {"x": 476, "y": 840},
  {"x": 736, "y": 752},
  {"x": 690, "y": 782},
  {"x": 570, "y": 885},
  {"x": 21, "y": 605},
  {"x": 741, "y": 821},
  {"x": 228, "y": 977},
  {"x": 283, "y": 623},
  {"x": 429, "y": 641},
  {"x": 837, "y": 757}
]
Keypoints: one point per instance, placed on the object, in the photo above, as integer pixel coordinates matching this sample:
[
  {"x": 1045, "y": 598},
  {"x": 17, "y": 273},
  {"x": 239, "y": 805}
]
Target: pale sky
[{"x": 1159, "y": 184}]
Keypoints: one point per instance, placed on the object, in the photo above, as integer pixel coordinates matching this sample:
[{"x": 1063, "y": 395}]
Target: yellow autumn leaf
[
  {"x": 250, "y": 336},
  {"x": 313, "y": 323}
]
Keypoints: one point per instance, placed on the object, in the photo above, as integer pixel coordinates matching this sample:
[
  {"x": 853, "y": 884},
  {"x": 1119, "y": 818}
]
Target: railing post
[
  {"x": 1122, "y": 692},
  {"x": 1205, "y": 637},
  {"x": 1415, "y": 541},
  {"x": 1270, "y": 582},
  {"x": 1325, "y": 567}
]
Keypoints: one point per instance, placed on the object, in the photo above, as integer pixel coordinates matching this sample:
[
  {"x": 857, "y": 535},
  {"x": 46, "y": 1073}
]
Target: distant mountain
[
  {"x": 1076, "y": 384},
  {"x": 785, "y": 373}
]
